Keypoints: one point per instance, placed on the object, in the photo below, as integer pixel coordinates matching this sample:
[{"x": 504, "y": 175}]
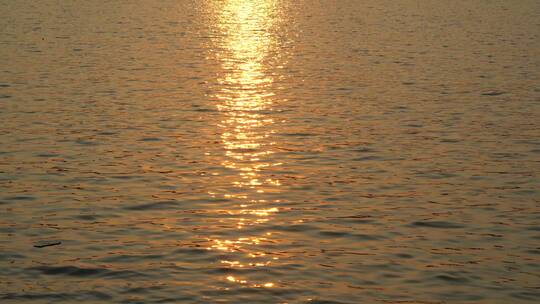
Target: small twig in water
[{"x": 47, "y": 245}]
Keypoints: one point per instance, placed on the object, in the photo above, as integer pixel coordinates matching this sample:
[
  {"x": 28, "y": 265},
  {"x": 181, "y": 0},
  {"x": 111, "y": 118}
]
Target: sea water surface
[{"x": 269, "y": 151}]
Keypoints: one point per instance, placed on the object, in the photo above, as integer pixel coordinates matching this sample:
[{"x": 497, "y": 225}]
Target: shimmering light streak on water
[{"x": 245, "y": 100}]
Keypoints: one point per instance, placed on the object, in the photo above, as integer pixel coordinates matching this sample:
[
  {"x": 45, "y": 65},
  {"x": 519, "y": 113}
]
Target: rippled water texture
[{"x": 270, "y": 151}]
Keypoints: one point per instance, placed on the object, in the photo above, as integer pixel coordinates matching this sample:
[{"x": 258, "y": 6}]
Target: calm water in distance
[{"x": 270, "y": 151}]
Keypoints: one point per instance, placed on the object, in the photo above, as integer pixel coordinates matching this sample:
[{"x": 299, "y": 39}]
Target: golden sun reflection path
[{"x": 245, "y": 100}]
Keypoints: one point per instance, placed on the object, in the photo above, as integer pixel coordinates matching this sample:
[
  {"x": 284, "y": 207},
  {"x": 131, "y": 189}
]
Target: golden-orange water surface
[{"x": 269, "y": 151}]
